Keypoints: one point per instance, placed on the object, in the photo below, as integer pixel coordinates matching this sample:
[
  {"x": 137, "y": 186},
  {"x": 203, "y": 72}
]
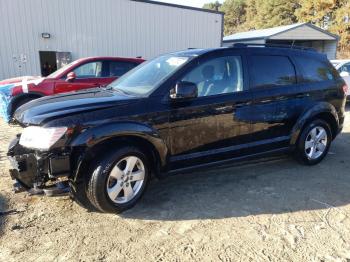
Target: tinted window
[
  {"x": 117, "y": 68},
  {"x": 217, "y": 76},
  {"x": 269, "y": 71},
  {"x": 314, "y": 70},
  {"x": 89, "y": 70}
]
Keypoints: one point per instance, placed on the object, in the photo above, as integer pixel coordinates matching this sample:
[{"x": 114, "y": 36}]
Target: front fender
[
  {"x": 95, "y": 135},
  {"x": 322, "y": 107}
]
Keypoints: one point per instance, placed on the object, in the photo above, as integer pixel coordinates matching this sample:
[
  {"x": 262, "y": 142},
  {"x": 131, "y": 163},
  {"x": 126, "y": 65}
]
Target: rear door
[
  {"x": 88, "y": 75},
  {"x": 273, "y": 85}
]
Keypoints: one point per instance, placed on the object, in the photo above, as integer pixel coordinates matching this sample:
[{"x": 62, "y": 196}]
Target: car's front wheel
[
  {"x": 314, "y": 142},
  {"x": 118, "y": 180}
]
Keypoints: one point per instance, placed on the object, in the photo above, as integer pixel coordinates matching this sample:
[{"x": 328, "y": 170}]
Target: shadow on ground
[
  {"x": 272, "y": 187},
  {"x": 3, "y": 214}
]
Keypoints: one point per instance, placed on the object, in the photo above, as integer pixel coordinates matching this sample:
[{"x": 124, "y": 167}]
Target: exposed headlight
[{"x": 36, "y": 137}]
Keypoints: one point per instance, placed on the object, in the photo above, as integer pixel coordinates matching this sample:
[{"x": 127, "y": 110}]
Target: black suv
[{"x": 175, "y": 113}]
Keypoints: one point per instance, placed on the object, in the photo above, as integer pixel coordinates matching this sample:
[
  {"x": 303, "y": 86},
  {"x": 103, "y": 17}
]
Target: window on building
[
  {"x": 217, "y": 76},
  {"x": 270, "y": 71}
]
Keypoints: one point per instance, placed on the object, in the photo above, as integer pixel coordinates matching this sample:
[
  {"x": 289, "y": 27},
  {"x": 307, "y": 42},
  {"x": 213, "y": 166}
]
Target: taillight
[{"x": 345, "y": 89}]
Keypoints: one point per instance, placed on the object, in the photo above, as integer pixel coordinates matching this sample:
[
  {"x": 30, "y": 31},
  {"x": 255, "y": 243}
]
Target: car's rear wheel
[
  {"x": 314, "y": 142},
  {"x": 118, "y": 180}
]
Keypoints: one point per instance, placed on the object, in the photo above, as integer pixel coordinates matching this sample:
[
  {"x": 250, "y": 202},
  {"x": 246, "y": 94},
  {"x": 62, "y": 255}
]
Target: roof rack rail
[{"x": 274, "y": 45}]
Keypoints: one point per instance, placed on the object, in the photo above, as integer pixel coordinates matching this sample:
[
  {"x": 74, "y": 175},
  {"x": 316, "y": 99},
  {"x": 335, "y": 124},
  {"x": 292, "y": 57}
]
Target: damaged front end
[{"x": 38, "y": 171}]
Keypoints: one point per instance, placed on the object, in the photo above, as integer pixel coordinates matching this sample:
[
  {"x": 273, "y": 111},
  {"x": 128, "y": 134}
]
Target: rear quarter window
[
  {"x": 314, "y": 70},
  {"x": 271, "y": 71}
]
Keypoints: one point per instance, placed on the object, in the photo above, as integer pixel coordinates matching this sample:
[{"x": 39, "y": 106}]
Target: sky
[{"x": 194, "y": 3}]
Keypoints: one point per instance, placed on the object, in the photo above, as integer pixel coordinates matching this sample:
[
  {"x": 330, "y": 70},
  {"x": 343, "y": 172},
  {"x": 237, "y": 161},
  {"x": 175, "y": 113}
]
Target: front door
[
  {"x": 88, "y": 75},
  {"x": 210, "y": 127}
]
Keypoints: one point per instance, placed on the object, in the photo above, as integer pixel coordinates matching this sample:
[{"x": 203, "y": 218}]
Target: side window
[
  {"x": 217, "y": 76},
  {"x": 119, "y": 68},
  {"x": 89, "y": 70},
  {"x": 345, "y": 68},
  {"x": 270, "y": 71},
  {"x": 314, "y": 70}
]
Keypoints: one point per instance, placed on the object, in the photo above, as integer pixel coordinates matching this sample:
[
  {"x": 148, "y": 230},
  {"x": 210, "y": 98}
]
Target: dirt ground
[{"x": 271, "y": 211}]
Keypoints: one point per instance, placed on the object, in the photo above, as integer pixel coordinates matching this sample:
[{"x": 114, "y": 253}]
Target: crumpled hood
[{"x": 42, "y": 110}]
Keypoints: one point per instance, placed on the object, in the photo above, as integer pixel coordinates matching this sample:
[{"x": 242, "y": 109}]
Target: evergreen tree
[
  {"x": 212, "y": 6},
  {"x": 235, "y": 15}
]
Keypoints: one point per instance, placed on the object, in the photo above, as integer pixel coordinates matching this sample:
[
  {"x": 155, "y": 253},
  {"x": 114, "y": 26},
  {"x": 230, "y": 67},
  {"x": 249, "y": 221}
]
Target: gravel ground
[{"x": 271, "y": 211}]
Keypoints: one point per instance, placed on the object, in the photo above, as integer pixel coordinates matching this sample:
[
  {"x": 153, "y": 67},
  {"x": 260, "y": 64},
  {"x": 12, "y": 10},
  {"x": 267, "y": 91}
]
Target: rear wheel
[
  {"x": 118, "y": 180},
  {"x": 314, "y": 142}
]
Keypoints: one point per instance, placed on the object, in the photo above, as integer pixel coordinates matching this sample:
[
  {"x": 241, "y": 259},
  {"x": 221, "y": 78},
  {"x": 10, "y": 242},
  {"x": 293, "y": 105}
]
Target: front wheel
[
  {"x": 118, "y": 180},
  {"x": 314, "y": 142}
]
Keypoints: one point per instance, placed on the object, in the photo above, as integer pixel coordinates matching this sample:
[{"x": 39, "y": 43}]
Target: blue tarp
[{"x": 5, "y": 97}]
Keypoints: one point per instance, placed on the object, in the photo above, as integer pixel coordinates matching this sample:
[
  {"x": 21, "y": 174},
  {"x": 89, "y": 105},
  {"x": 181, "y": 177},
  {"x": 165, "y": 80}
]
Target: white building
[
  {"x": 56, "y": 31},
  {"x": 302, "y": 34}
]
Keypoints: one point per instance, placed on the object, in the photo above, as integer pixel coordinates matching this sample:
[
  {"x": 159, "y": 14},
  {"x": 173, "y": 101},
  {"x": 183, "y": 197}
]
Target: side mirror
[
  {"x": 344, "y": 74},
  {"x": 184, "y": 91},
  {"x": 71, "y": 76}
]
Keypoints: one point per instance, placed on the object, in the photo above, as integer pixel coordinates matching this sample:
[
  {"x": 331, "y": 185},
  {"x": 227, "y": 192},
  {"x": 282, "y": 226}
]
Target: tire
[
  {"x": 111, "y": 174},
  {"x": 314, "y": 142},
  {"x": 78, "y": 194}
]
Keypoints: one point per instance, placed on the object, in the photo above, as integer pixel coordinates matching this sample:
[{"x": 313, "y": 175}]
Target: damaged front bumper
[{"x": 37, "y": 170}]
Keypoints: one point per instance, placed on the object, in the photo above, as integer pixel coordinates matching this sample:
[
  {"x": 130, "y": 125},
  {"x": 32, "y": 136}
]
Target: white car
[{"x": 343, "y": 67}]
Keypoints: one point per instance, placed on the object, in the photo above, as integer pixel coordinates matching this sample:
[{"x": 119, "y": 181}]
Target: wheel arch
[
  {"x": 324, "y": 111},
  {"x": 18, "y": 98},
  {"x": 100, "y": 140}
]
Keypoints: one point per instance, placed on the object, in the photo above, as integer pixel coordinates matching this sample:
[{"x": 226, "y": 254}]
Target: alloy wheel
[
  {"x": 316, "y": 142},
  {"x": 126, "y": 179}
]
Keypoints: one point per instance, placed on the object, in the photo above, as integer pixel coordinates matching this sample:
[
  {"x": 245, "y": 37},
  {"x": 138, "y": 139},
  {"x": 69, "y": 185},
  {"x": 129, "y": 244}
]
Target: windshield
[
  {"x": 61, "y": 70},
  {"x": 143, "y": 79}
]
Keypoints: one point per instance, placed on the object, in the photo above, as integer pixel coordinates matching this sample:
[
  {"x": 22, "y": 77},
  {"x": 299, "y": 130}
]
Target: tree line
[{"x": 244, "y": 15}]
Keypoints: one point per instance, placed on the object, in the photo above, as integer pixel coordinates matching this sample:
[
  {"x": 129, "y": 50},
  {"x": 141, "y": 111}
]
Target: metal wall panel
[
  {"x": 98, "y": 28},
  {"x": 304, "y": 32}
]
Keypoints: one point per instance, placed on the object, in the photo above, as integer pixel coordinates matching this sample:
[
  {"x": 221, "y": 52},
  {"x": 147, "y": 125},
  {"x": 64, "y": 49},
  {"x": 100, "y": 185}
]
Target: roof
[
  {"x": 269, "y": 32},
  {"x": 179, "y": 6},
  {"x": 193, "y": 52}
]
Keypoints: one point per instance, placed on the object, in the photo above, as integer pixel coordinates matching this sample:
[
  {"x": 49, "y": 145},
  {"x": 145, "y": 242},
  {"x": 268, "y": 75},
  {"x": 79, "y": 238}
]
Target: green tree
[
  {"x": 317, "y": 12},
  {"x": 270, "y": 13},
  {"x": 340, "y": 25},
  {"x": 235, "y": 15},
  {"x": 212, "y": 6}
]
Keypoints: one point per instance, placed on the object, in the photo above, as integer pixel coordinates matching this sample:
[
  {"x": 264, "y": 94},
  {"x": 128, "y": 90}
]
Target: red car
[{"x": 80, "y": 74}]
